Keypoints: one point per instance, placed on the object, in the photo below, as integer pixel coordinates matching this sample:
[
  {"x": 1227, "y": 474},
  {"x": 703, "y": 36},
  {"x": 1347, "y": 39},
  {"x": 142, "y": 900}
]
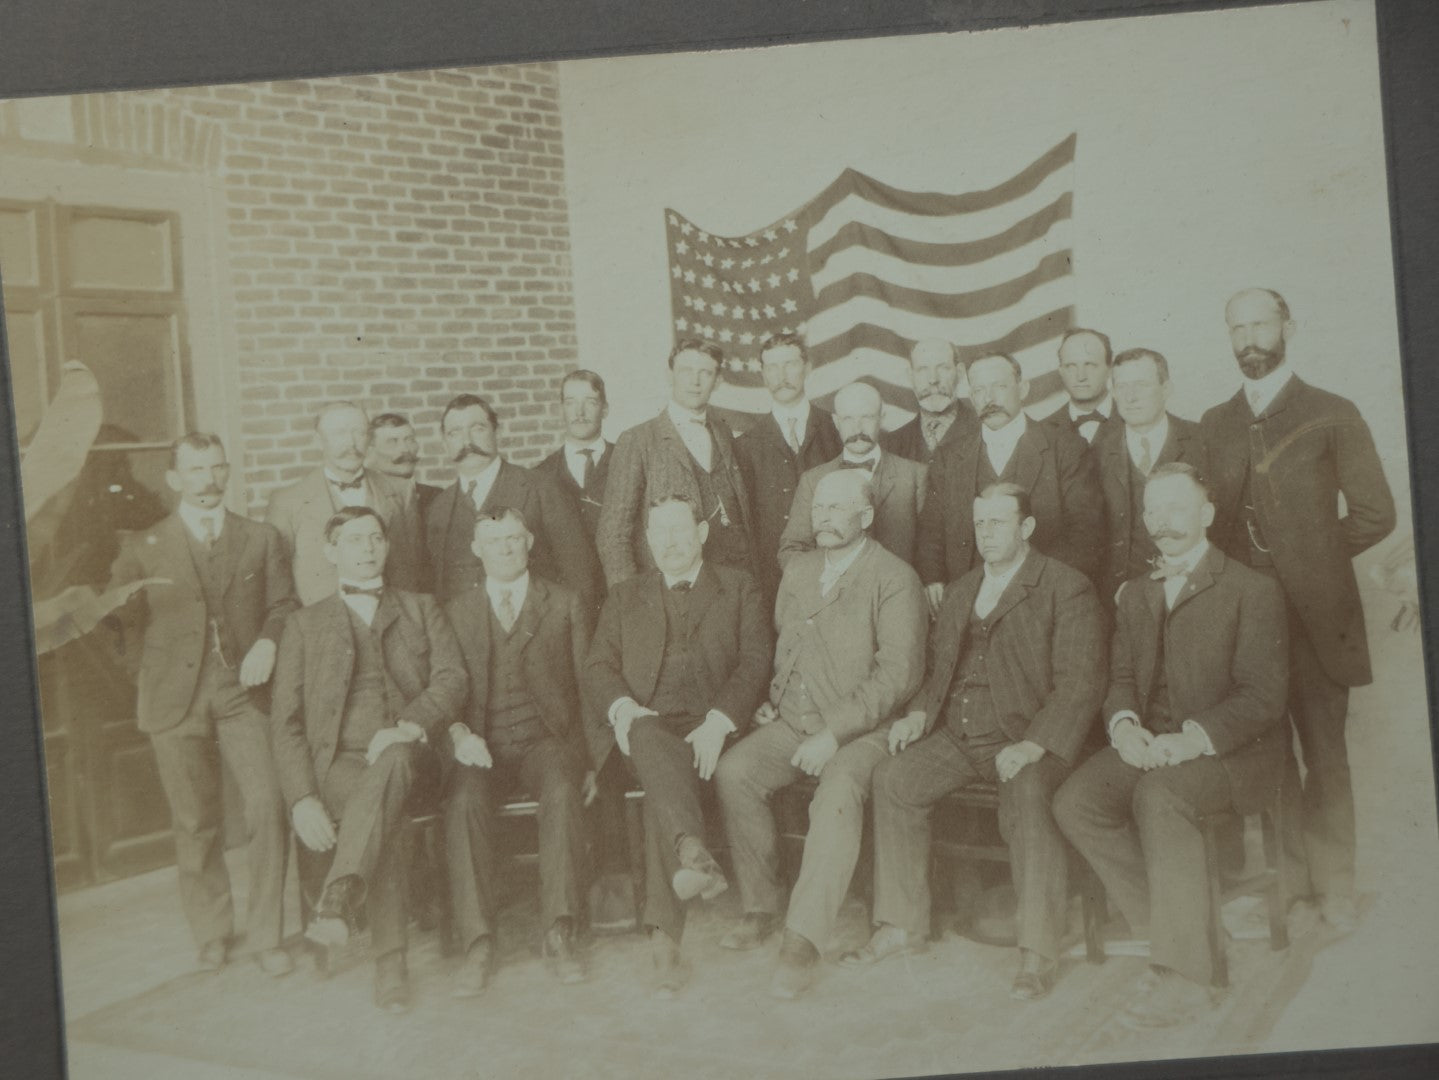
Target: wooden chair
[{"x": 1269, "y": 881}]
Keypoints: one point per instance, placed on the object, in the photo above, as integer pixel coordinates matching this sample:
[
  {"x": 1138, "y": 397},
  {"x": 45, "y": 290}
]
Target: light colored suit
[{"x": 898, "y": 498}]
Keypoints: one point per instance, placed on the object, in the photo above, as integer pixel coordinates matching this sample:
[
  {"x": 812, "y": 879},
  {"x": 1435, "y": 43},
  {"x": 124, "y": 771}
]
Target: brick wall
[{"x": 394, "y": 239}]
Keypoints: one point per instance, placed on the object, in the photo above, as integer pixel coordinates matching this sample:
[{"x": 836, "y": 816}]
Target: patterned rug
[{"x": 945, "y": 1011}]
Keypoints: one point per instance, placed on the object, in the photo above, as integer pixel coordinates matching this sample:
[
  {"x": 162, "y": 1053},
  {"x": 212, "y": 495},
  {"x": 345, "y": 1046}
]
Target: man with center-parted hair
[
  {"x": 582, "y": 465},
  {"x": 395, "y": 451},
  {"x": 524, "y": 640},
  {"x": 367, "y": 681},
  {"x": 485, "y": 483},
  {"x": 1015, "y": 678},
  {"x": 677, "y": 665},
  {"x": 685, "y": 450},
  {"x": 1195, "y": 715},
  {"x": 942, "y": 416}
]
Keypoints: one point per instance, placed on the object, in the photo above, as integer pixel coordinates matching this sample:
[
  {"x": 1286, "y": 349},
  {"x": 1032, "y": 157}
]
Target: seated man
[
  {"x": 367, "y": 679},
  {"x": 1195, "y": 713},
  {"x": 678, "y": 663},
  {"x": 523, "y": 639},
  {"x": 852, "y": 622},
  {"x": 1016, "y": 675}
]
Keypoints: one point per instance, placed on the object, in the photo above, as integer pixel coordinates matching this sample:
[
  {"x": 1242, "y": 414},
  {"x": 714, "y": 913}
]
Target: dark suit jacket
[
  {"x": 772, "y": 472},
  {"x": 1123, "y": 558},
  {"x": 898, "y": 498},
  {"x": 907, "y": 440},
  {"x": 651, "y": 460},
  {"x": 424, "y": 495},
  {"x": 1060, "y": 419},
  {"x": 1062, "y": 478},
  {"x": 554, "y": 628},
  {"x": 1226, "y": 663},
  {"x": 1046, "y": 658},
  {"x": 258, "y": 595},
  {"x": 301, "y": 510},
  {"x": 315, "y": 665},
  {"x": 562, "y": 552},
  {"x": 588, "y": 503},
  {"x": 1308, "y": 448},
  {"x": 732, "y": 647}
]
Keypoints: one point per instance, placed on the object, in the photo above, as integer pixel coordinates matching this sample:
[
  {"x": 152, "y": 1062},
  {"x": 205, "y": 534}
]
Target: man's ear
[
  {"x": 1206, "y": 514},
  {"x": 703, "y": 528},
  {"x": 332, "y": 554},
  {"x": 866, "y": 517},
  {"x": 1026, "y": 528},
  {"x": 172, "y": 480}
]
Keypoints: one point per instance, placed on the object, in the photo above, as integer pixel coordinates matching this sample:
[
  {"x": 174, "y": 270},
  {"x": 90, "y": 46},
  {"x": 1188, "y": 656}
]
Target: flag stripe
[
  {"x": 881, "y": 339},
  {"x": 962, "y": 305}
]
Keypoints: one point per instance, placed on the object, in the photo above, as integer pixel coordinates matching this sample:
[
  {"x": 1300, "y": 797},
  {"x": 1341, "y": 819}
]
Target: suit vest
[
  {"x": 209, "y": 567},
  {"x": 720, "y": 502},
  {"x": 969, "y": 710},
  {"x": 462, "y": 567},
  {"x": 676, "y": 692},
  {"x": 374, "y": 699},
  {"x": 513, "y": 718}
]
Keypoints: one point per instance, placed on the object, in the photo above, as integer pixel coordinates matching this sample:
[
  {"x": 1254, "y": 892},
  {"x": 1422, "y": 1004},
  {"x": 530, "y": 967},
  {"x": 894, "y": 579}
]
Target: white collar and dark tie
[
  {"x": 363, "y": 597},
  {"x": 834, "y": 568},
  {"x": 994, "y": 584},
  {"x": 1087, "y": 420},
  {"x": 581, "y": 459},
  {"x": 204, "y": 525},
  {"x": 353, "y": 492},
  {"x": 688, "y": 578},
  {"x": 507, "y": 598},
  {"x": 999, "y": 445},
  {"x": 1261, "y": 392},
  {"x": 1144, "y": 447},
  {"x": 478, "y": 487},
  {"x": 793, "y": 421},
  {"x": 1176, "y": 571},
  {"x": 694, "y": 431},
  {"x": 933, "y": 426},
  {"x": 868, "y": 462}
]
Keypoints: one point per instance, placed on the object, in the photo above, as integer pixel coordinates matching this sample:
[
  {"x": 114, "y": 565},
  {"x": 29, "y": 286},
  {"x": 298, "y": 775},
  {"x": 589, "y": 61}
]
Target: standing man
[
  {"x": 395, "y": 451},
  {"x": 368, "y": 680},
  {"x": 688, "y": 451},
  {"x": 523, "y": 639},
  {"x": 1144, "y": 438},
  {"x": 484, "y": 484},
  {"x": 1195, "y": 714},
  {"x": 1050, "y": 462},
  {"x": 1016, "y": 676},
  {"x": 781, "y": 446},
  {"x": 581, "y": 466},
  {"x": 1281, "y": 453},
  {"x": 852, "y": 624},
  {"x": 677, "y": 665},
  {"x": 301, "y": 510},
  {"x": 1084, "y": 363},
  {"x": 943, "y": 417},
  {"x": 897, "y": 482},
  {"x": 211, "y": 620}
]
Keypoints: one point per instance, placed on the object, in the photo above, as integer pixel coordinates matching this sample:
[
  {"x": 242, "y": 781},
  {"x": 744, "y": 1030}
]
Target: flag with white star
[{"x": 864, "y": 270}]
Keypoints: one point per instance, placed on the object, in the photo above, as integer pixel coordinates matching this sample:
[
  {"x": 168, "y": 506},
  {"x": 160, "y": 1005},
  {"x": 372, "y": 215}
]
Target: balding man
[
  {"x": 852, "y": 624},
  {"x": 1281, "y": 453},
  {"x": 943, "y": 417},
  {"x": 1085, "y": 360},
  {"x": 301, "y": 510},
  {"x": 897, "y": 482},
  {"x": 1051, "y": 463}
]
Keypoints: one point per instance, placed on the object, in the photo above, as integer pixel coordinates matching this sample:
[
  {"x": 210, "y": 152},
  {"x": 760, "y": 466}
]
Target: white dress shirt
[
  {"x": 517, "y": 590},
  {"x": 671, "y": 580},
  {"x": 798, "y": 415},
  {"x": 695, "y": 433},
  {"x": 834, "y": 568},
  {"x": 195, "y": 520},
  {"x": 1154, "y": 438},
  {"x": 993, "y": 586},
  {"x": 576, "y": 462},
  {"x": 482, "y": 481},
  {"x": 1262, "y": 391},
  {"x": 363, "y": 606},
  {"x": 1087, "y": 429},
  {"x": 359, "y": 496},
  {"x": 999, "y": 445}
]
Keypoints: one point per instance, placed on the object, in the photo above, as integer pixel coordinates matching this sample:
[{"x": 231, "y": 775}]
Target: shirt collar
[
  {"x": 193, "y": 517},
  {"x": 682, "y": 416},
  {"x": 1157, "y": 435},
  {"x": 872, "y": 455},
  {"x": 1007, "y": 435},
  {"x": 518, "y": 589},
  {"x": 835, "y": 569},
  {"x": 1265, "y": 389},
  {"x": 487, "y": 474},
  {"x": 596, "y": 444},
  {"x": 369, "y": 583},
  {"x": 337, "y": 481},
  {"x": 946, "y": 413},
  {"x": 1105, "y": 408},
  {"x": 1190, "y": 559},
  {"x": 783, "y": 413},
  {"x": 671, "y": 579},
  {"x": 1005, "y": 578}
]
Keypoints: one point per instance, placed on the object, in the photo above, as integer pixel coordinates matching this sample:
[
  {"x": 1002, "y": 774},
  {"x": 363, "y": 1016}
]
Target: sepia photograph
[{"x": 869, "y": 558}]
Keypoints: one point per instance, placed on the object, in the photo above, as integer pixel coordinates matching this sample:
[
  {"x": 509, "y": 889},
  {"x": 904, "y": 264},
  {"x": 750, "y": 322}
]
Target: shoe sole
[
  {"x": 688, "y": 884},
  {"x": 329, "y": 932},
  {"x": 864, "y": 958}
]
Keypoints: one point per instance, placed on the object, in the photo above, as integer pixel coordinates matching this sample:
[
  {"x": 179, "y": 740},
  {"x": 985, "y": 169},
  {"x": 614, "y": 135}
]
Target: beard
[{"x": 1256, "y": 362}]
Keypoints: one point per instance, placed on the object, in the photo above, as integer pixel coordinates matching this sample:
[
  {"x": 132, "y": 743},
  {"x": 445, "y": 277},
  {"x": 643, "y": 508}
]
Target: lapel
[
  {"x": 1113, "y": 447},
  {"x": 649, "y": 628},
  {"x": 1025, "y": 463},
  {"x": 703, "y": 596},
  {"x": 966, "y": 453},
  {"x": 561, "y": 470},
  {"x": 1025, "y": 579},
  {"x": 883, "y": 479},
  {"x": 965, "y": 592},
  {"x": 437, "y": 520},
  {"x": 316, "y": 498},
  {"x": 172, "y": 545},
  {"x": 816, "y": 602},
  {"x": 811, "y": 429},
  {"x": 1171, "y": 450},
  {"x": 527, "y": 622},
  {"x": 337, "y": 650},
  {"x": 1202, "y": 578},
  {"x": 235, "y": 535},
  {"x": 1282, "y": 400},
  {"x": 771, "y": 430},
  {"x": 504, "y": 491},
  {"x": 670, "y": 441},
  {"x": 387, "y": 612}
]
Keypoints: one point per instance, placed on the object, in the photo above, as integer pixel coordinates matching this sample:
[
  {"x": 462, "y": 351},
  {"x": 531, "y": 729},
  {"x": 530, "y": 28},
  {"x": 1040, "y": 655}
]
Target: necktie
[
  {"x": 472, "y": 489},
  {"x": 793, "y": 423},
  {"x": 349, "y": 485},
  {"x": 207, "y": 532},
  {"x": 355, "y": 590},
  {"x": 681, "y": 586},
  {"x": 586, "y": 468},
  {"x": 931, "y": 431},
  {"x": 1095, "y": 417},
  {"x": 507, "y": 610},
  {"x": 1164, "y": 569},
  {"x": 1253, "y": 396},
  {"x": 1146, "y": 459},
  {"x": 867, "y": 465}
]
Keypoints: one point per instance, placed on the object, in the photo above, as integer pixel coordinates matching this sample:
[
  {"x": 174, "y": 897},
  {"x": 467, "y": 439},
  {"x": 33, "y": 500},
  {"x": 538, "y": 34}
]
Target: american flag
[{"x": 864, "y": 270}]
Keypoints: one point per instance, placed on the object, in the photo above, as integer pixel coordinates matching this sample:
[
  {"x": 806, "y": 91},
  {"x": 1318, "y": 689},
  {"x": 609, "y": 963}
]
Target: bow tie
[
  {"x": 867, "y": 465},
  {"x": 1164, "y": 569},
  {"x": 1095, "y": 417},
  {"x": 349, "y": 485},
  {"x": 355, "y": 590},
  {"x": 681, "y": 586}
]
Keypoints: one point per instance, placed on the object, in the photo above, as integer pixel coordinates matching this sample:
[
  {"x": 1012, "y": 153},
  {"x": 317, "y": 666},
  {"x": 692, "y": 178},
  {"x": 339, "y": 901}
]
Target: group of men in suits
[{"x": 975, "y": 596}]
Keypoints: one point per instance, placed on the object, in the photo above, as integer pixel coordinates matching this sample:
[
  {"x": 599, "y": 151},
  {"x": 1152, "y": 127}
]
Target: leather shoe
[
  {"x": 699, "y": 874},
  {"x": 1036, "y": 976},
  {"x": 559, "y": 949},
  {"x": 337, "y": 915},
  {"x": 274, "y": 962},
  {"x": 797, "y": 959},
  {"x": 1170, "y": 1000},
  {"x": 1339, "y": 912},
  {"x": 392, "y": 982},
  {"x": 751, "y": 931},
  {"x": 213, "y": 955},
  {"x": 475, "y": 970},
  {"x": 886, "y": 941},
  {"x": 671, "y": 967}
]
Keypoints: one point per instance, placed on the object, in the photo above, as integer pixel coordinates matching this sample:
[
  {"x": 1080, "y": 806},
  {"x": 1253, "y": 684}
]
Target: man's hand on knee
[
  {"x": 312, "y": 824},
  {"x": 815, "y": 752},
  {"x": 1016, "y": 756}
]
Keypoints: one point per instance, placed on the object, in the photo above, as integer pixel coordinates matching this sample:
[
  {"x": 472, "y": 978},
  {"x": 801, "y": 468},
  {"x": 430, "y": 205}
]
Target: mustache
[
  {"x": 859, "y": 438},
  {"x": 406, "y": 459},
  {"x": 1166, "y": 534},
  {"x": 993, "y": 409},
  {"x": 1253, "y": 351},
  {"x": 211, "y": 490},
  {"x": 470, "y": 449}
]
